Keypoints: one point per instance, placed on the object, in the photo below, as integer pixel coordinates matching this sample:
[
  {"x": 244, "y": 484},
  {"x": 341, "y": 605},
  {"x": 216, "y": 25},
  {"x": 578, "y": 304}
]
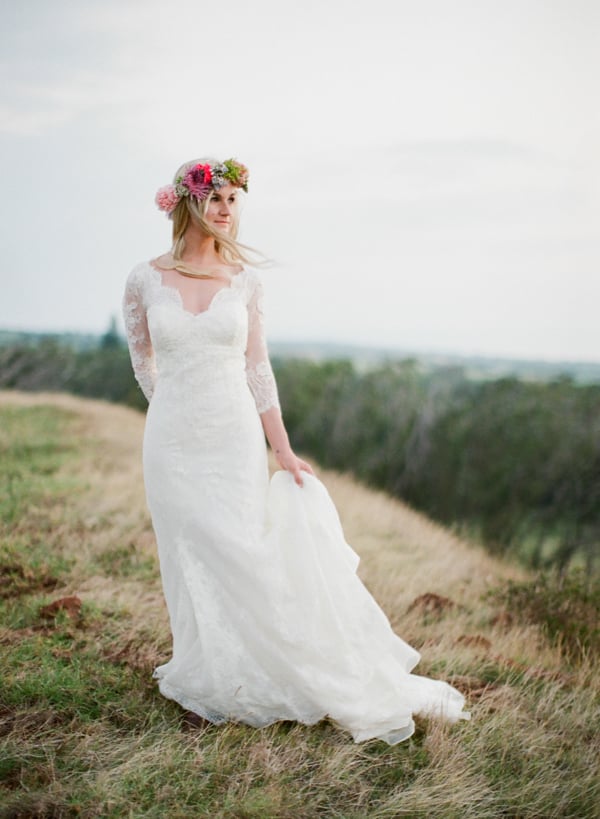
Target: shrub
[{"x": 567, "y": 607}]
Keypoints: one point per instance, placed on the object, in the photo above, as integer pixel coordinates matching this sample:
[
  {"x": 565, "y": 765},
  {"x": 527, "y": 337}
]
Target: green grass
[
  {"x": 125, "y": 561},
  {"x": 84, "y": 732},
  {"x": 566, "y": 607}
]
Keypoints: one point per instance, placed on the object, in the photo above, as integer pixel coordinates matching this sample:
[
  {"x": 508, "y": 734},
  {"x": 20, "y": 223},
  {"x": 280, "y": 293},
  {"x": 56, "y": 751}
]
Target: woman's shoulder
[
  {"x": 251, "y": 279},
  {"x": 253, "y": 287},
  {"x": 139, "y": 273}
]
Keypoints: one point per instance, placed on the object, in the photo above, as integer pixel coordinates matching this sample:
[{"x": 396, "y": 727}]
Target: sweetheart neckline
[{"x": 179, "y": 297}]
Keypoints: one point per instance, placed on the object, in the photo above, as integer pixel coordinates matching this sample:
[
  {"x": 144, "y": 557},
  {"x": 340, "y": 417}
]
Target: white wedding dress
[{"x": 269, "y": 619}]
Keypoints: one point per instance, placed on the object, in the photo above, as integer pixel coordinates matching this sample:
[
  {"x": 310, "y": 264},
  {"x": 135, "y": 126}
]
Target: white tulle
[{"x": 269, "y": 619}]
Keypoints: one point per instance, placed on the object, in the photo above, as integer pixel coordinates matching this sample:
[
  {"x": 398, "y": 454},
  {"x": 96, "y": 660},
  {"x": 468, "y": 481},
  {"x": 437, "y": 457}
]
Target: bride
[{"x": 269, "y": 619}]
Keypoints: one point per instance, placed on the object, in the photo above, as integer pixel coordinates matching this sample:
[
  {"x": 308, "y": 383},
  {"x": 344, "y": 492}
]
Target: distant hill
[
  {"x": 363, "y": 358},
  {"x": 475, "y": 367},
  {"x": 77, "y": 341}
]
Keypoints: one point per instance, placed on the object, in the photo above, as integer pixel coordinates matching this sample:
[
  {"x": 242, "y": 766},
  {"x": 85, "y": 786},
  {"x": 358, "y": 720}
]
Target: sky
[{"x": 425, "y": 176}]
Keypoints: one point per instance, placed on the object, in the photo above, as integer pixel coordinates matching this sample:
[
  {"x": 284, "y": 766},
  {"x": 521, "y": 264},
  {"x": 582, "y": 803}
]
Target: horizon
[{"x": 353, "y": 346}]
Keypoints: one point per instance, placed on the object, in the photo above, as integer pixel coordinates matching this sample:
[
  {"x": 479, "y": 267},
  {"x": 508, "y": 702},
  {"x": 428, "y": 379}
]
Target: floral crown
[{"x": 200, "y": 180}]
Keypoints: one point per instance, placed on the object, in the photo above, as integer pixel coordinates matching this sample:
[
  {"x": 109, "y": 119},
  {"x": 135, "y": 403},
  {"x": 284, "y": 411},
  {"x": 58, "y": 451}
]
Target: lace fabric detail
[
  {"x": 138, "y": 335},
  {"x": 262, "y": 386},
  {"x": 258, "y": 366}
]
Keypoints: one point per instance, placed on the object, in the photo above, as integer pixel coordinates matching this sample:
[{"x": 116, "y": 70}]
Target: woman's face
[{"x": 222, "y": 208}]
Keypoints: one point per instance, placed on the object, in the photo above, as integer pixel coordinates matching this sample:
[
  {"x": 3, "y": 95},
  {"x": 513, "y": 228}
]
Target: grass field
[{"x": 83, "y": 731}]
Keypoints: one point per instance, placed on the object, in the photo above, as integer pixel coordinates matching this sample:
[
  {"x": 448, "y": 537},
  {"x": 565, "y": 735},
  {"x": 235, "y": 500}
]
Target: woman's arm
[
  {"x": 264, "y": 389},
  {"x": 279, "y": 442},
  {"x": 138, "y": 336}
]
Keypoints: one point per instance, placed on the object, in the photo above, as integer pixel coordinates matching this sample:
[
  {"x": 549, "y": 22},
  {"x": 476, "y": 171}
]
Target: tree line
[
  {"x": 512, "y": 463},
  {"x": 515, "y": 464}
]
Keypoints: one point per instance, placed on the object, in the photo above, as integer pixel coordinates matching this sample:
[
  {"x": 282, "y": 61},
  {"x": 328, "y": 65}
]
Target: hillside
[{"x": 84, "y": 732}]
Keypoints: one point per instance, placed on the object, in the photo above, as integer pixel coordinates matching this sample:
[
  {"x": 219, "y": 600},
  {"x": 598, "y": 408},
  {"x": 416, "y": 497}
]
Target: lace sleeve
[
  {"x": 138, "y": 337},
  {"x": 258, "y": 367}
]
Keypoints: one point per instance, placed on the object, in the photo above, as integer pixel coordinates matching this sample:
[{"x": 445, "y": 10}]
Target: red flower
[
  {"x": 197, "y": 180},
  {"x": 207, "y": 173}
]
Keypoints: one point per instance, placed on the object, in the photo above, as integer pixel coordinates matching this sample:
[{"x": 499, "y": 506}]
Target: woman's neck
[{"x": 199, "y": 248}]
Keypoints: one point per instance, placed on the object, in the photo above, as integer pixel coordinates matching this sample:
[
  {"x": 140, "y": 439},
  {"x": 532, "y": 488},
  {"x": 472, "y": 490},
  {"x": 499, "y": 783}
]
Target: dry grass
[{"x": 86, "y": 734}]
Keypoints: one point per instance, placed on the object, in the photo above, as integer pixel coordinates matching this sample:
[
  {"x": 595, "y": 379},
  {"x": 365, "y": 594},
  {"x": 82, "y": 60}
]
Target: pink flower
[
  {"x": 197, "y": 180},
  {"x": 166, "y": 198}
]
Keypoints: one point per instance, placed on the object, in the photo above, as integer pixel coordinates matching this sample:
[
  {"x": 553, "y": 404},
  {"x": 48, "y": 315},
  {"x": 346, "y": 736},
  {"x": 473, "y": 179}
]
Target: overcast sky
[{"x": 426, "y": 175}]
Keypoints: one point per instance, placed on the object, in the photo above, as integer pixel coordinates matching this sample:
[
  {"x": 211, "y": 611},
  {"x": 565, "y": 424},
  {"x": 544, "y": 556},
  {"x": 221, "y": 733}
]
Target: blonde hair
[{"x": 188, "y": 207}]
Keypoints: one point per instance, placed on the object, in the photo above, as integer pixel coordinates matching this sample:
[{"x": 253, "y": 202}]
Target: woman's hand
[
  {"x": 280, "y": 444},
  {"x": 288, "y": 460}
]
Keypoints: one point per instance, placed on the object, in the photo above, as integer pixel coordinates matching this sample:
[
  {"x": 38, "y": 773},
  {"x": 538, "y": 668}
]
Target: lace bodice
[{"x": 232, "y": 325}]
